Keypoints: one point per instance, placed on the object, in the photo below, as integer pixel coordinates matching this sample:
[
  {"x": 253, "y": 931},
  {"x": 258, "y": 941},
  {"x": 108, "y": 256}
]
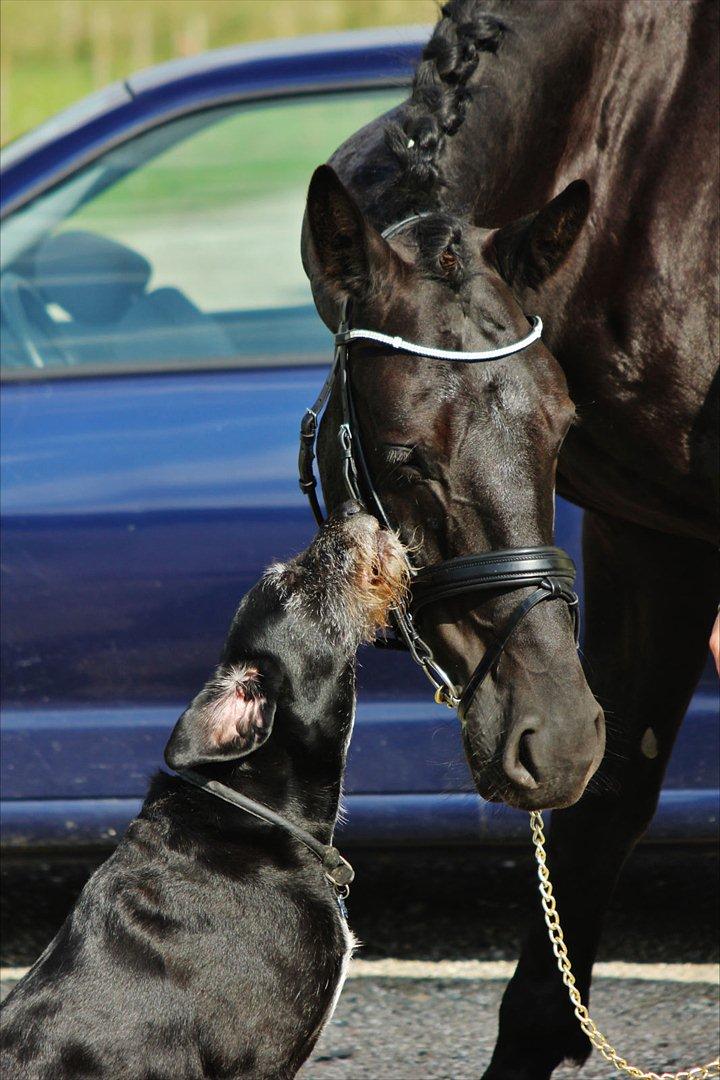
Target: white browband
[{"x": 346, "y": 336}]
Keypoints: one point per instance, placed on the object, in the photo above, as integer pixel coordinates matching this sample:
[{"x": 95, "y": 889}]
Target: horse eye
[
  {"x": 397, "y": 454},
  {"x": 402, "y": 467}
]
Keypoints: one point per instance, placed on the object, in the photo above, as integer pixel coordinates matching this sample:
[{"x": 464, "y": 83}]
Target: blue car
[{"x": 159, "y": 346}]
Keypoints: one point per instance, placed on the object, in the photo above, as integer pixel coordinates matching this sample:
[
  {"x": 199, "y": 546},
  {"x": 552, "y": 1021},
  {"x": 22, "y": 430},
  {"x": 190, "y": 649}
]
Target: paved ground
[{"x": 439, "y": 933}]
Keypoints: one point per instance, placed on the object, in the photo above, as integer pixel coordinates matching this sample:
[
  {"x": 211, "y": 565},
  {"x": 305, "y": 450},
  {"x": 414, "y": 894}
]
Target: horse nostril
[
  {"x": 524, "y": 755},
  {"x": 518, "y": 760},
  {"x": 349, "y": 509}
]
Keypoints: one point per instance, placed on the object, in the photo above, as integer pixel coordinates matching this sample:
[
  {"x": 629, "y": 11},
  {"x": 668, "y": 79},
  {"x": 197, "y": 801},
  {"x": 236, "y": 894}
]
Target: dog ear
[
  {"x": 529, "y": 250},
  {"x": 230, "y": 717}
]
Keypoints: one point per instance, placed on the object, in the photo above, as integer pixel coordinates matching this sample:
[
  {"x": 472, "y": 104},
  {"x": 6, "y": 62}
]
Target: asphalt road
[{"x": 439, "y": 932}]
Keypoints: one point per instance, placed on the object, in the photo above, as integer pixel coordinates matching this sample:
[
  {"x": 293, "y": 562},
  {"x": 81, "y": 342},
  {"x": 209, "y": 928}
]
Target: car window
[{"x": 179, "y": 248}]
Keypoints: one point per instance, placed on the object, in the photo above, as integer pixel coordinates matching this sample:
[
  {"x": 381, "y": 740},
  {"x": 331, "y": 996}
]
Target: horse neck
[
  {"x": 503, "y": 160},
  {"x": 530, "y": 106},
  {"x": 607, "y": 97},
  {"x": 565, "y": 80}
]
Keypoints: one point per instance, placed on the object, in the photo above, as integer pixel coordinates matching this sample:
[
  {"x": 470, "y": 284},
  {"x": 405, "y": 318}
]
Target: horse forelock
[
  {"x": 440, "y": 96},
  {"x": 441, "y": 250}
]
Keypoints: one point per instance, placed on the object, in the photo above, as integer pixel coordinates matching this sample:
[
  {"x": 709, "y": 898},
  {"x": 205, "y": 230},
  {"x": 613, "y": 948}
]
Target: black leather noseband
[{"x": 548, "y": 568}]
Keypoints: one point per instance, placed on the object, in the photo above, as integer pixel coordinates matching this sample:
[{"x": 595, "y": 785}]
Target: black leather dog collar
[{"x": 337, "y": 870}]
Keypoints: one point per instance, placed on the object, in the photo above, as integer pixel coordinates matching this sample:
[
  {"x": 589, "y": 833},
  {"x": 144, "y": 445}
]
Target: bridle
[{"x": 548, "y": 568}]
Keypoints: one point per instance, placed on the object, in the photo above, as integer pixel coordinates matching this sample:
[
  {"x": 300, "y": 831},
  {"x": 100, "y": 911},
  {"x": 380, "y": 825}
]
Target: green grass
[{"x": 56, "y": 51}]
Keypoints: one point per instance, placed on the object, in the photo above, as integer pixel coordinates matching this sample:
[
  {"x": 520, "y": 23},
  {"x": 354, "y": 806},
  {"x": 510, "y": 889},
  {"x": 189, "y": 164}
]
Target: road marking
[
  {"x": 13, "y": 973},
  {"x": 485, "y": 970},
  {"x": 488, "y": 970}
]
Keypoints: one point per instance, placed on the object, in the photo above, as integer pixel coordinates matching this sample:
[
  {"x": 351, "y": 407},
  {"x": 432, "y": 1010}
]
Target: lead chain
[{"x": 552, "y": 920}]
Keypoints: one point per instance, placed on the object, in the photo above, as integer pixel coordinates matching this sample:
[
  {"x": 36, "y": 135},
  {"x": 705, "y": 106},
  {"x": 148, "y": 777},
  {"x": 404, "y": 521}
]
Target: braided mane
[{"x": 440, "y": 97}]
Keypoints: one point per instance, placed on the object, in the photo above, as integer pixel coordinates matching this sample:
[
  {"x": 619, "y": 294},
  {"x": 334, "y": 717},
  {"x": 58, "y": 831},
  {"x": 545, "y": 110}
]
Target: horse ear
[
  {"x": 529, "y": 250},
  {"x": 346, "y": 256},
  {"x": 230, "y": 717}
]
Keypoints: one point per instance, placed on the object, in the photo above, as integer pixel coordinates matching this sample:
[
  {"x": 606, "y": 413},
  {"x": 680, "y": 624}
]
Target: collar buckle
[{"x": 337, "y": 869}]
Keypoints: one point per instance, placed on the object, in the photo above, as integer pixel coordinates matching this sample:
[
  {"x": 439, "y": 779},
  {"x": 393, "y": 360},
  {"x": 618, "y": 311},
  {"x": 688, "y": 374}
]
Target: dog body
[{"x": 211, "y": 944}]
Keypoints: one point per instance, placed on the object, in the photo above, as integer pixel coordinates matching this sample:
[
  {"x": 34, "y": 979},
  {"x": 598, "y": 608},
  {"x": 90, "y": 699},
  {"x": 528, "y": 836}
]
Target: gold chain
[{"x": 557, "y": 940}]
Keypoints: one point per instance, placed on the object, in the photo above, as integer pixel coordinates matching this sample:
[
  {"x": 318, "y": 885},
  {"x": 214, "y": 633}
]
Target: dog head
[
  {"x": 293, "y": 638},
  {"x": 347, "y": 581}
]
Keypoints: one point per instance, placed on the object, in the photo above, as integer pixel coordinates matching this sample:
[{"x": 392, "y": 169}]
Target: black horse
[{"x": 566, "y": 154}]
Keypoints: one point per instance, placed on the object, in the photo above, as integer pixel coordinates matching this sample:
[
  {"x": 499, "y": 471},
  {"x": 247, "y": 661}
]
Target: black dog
[{"x": 211, "y": 944}]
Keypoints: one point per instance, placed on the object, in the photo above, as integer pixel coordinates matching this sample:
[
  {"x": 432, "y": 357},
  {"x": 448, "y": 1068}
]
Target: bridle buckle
[
  {"x": 308, "y": 426},
  {"x": 345, "y": 439},
  {"x": 337, "y": 869}
]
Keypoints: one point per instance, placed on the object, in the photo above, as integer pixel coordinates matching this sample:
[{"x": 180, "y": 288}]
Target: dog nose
[{"x": 349, "y": 509}]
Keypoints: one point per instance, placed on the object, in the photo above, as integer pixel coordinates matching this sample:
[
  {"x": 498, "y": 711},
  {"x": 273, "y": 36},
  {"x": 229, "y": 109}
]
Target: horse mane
[{"x": 440, "y": 96}]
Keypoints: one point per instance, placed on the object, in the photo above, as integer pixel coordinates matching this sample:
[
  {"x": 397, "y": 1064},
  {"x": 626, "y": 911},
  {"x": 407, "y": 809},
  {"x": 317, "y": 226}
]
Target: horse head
[{"x": 463, "y": 457}]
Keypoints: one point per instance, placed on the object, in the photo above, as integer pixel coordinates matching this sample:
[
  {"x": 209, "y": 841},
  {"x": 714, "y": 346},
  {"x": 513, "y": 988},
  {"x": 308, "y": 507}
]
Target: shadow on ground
[{"x": 435, "y": 904}]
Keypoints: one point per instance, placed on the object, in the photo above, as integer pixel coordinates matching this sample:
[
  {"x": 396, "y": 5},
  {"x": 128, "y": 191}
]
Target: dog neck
[
  {"x": 337, "y": 870},
  {"x": 298, "y": 772}
]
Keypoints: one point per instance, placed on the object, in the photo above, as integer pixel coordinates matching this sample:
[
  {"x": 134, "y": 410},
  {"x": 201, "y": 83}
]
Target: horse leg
[{"x": 650, "y": 601}]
